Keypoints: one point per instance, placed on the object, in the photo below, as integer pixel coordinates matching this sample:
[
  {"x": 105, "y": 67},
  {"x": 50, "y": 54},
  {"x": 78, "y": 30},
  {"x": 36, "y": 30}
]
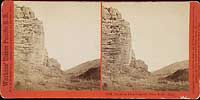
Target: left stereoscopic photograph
[{"x": 56, "y": 45}]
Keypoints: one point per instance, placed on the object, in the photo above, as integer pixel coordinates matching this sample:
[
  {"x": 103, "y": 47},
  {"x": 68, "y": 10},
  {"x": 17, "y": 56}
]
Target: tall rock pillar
[
  {"x": 116, "y": 40},
  {"x": 28, "y": 37}
]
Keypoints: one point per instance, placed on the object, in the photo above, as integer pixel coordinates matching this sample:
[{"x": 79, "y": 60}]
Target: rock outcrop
[
  {"x": 29, "y": 37},
  {"x": 33, "y": 69},
  {"x": 141, "y": 65},
  {"x": 118, "y": 57},
  {"x": 116, "y": 38}
]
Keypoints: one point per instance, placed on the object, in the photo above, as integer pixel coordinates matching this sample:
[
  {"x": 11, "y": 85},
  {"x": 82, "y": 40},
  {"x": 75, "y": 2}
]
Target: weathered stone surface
[
  {"x": 116, "y": 39},
  {"x": 141, "y": 64},
  {"x": 33, "y": 68},
  {"x": 51, "y": 62},
  {"x": 118, "y": 59},
  {"x": 28, "y": 37},
  {"x": 23, "y": 12}
]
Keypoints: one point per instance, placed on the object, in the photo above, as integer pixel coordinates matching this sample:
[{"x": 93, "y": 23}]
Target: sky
[
  {"x": 160, "y": 31},
  {"x": 72, "y": 30}
]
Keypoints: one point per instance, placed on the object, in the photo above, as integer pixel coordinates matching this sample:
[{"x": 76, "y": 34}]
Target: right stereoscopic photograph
[{"x": 145, "y": 46}]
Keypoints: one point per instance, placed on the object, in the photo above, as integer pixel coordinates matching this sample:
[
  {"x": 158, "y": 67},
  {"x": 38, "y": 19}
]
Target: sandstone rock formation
[
  {"x": 33, "y": 69},
  {"x": 118, "y": 57},
  {"x": 116, "y": 38},
  {"x": 29, "y": 37}
]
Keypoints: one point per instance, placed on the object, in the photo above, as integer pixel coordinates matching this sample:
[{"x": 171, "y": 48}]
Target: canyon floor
[
  {"x": 86, "y": 76},
  {"x": 150, "y": 83},
  {"x": 82, "y": 77}
]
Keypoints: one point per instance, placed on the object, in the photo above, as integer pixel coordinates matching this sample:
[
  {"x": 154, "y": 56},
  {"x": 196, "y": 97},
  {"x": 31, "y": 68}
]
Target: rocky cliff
[
  {"x": 32, "y": 64},
  {"x": 29, "y": 37},
  {"x": 118, "y": 57},
  {"x": 33, "y": 69},
  {"x": 116, "y": 38}
]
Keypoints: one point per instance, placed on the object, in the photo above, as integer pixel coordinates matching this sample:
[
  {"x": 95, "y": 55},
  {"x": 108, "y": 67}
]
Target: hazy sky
[
  {"x": 72, "y": 30},
  {"x": 160, "y": 31}
]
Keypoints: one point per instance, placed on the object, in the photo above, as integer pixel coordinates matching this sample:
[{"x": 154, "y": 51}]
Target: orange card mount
[{"x": 7, "y": 65}]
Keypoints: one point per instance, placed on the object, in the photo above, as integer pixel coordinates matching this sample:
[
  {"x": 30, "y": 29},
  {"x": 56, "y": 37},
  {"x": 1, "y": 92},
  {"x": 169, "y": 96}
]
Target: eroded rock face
[
  {"x": 33, "y": 68},
  {"x": 23, "y": 12},
  {"x": 116, "y": 43},
  {"x": 118, "y": 57},
  {"x": 141, "y": 64},
  {"x": 29, "y": 37},
  {"x": 53, "y": 63},
  {"x": 116, "y": 39}
]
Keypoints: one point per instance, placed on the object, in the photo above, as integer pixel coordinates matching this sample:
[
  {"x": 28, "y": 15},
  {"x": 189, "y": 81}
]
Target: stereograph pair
[{"x": 109, "y": 46}]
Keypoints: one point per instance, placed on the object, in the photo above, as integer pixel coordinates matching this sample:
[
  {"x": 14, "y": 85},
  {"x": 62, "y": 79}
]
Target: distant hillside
[
  {"x": 172, "y": 68},
  {"x": 87, "y": 70},
  {"x": 179, "y": 75}
]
